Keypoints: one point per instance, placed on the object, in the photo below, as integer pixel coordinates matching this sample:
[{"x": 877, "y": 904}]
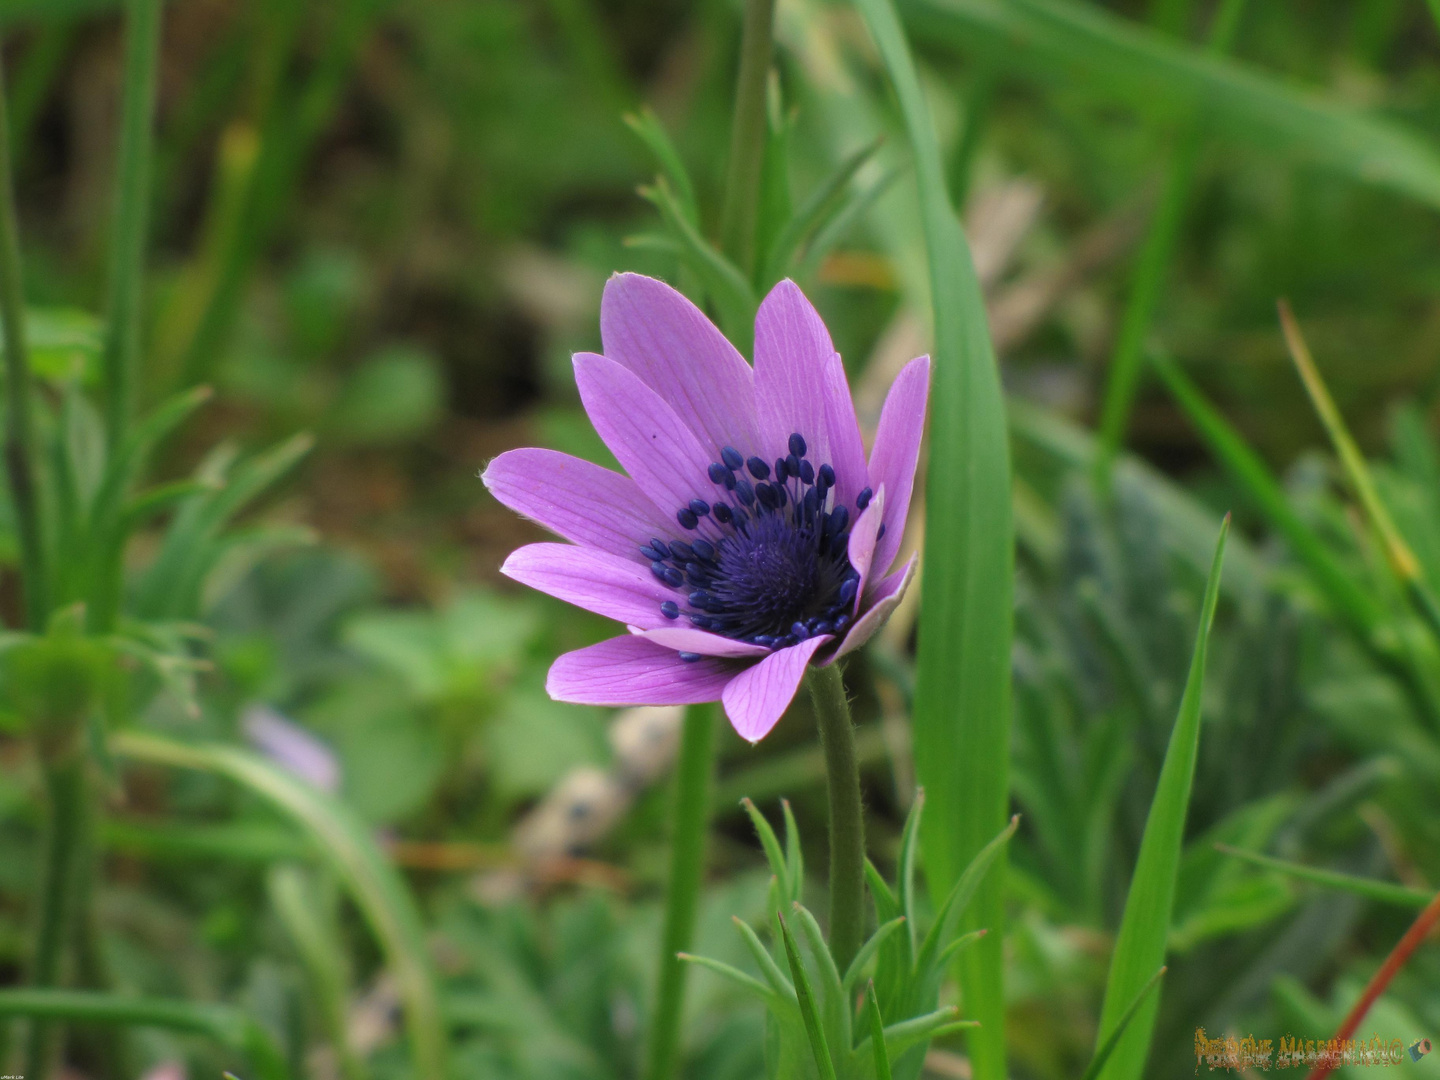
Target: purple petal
[
  {"x": 629, "y": 670},
  {"x": 675, "y": 350},
  {"x": 654, "y": 445},
  {"x": 882, "y": 602},
  {"x": 862, "y": 542},
  {"x": 758, "y": 696},
  {"x": 800, "y": 386},
  {"x": 689, "y": 639},
  {"x": 291, "y": 747},
  {"x": 575, "y": 499},
  {"x": 599, "y": 581},
  {"x": 896, "y": 450}
]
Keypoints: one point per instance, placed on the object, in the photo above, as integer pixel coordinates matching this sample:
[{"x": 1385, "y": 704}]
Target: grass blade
[
  {"x": 877, "y": 1034},
  {"x": 378, "y": 890},
  {"x": 868, "y": 950},
  {"x": 962, "y": 689},
  {"x": 1381, "y": 891},
  {"x": 647, "y": 126},
  {"x": 1140, "y": 945},
  {"x": 1103, "y": 1054},
  {"x": 808, "y": 1011},
  {"x": 1145, "y": 68},
  {"x": 226, "y": 1025}
]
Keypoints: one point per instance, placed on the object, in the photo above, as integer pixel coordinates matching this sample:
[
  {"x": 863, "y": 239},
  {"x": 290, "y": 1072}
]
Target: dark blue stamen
[
  {"x": 661, "y": 547},
  {"x": 687, "y": 518},
  {"x": 699, "y": 598},
  {"x": 731, "y": 457},
  {"x": 729, "y": 481},
  {"x": 782, "y": 468},
  {"x": 717, "y": 473},
  {"x": 797, "y": 445},
  {"x": 722, "y": 513},
  {"x": 699, "y": 507},
  {"x": 673, "y": 577},
  {"x": 689, "y": 657},
  {"x": 658, "y": 569},
  {"x": 863, "y": 499},
  {"x": 807, "y": 473},
  {"x": 758, "y": 469},
  {"x": 744, "y": 492},
  {"x": 880, "y": 531},
  {"x": 681, "y": 551},
  {"x": 839, "y": 518},
  {"x": 703, "y": 548},
  {"x": 800, "y": 631},
  {"x": 826, "y": 478},
  {"x": 766, "y": 494},
  {"x": 670, "y": 609},
  {"x": 847, "y": 591},
  {"x": 700, "y": 622}
]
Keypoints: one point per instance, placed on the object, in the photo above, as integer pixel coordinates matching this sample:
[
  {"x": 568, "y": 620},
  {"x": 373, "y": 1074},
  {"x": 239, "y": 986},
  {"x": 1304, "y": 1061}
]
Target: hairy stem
[
  {"x": 132, "y": 205},
  {"x": 693, "y": 781},
  {"x": 847, "y": 818},
  {"x": 747, "y": 137},
  {"x": 19, "y": 431}
]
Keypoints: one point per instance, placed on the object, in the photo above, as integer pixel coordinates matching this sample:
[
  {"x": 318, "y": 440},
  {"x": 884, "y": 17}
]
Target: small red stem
[{"x": 1402, "y": 952}]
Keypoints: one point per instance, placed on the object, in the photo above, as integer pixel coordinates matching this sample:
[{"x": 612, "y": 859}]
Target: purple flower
[{"x": 750, "y": 538}]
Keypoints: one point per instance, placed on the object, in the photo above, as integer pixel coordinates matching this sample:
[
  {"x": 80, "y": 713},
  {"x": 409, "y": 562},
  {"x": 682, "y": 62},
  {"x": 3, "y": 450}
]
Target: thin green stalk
[
  {"x": 847, "y": 816},
  {"x": 747, "y": 137},
  {"x": 66, "y": 788},
  {"x": 19, "y": 431},
  {"x": 1127, "y": 363},
  {"x": 693, "y": 781},
  {"x": 132, "y": 215}
]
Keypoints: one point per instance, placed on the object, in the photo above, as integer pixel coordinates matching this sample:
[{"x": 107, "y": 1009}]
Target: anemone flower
[{"x": 750, "y": 539}]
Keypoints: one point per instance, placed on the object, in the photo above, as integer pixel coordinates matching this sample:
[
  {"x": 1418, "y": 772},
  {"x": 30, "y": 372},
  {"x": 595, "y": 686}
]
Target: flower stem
[
  {"x": 847, "y": 818},
  {"x": 19, "y": 432},
  {"x": 132, "y": 205},
  {"x": 747, "y": 136},
  {"x": 66, "y": 785},
  {"x": 693, "y": 780}
]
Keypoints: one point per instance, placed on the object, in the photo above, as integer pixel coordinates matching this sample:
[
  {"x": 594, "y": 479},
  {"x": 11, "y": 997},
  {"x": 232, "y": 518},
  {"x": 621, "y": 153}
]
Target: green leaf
[
  {"x": 877, "y": 1034},
  {"x": 652, "y": 133},
  {"x": 834, "y": 1004},
  {"x": 1150, "y": 70},
  {"x": 808, "y": 1012},
  {"x": 1382, "y": 891},
  {"x": 1102, "y": 1055},
  {"x": 868, "y": 950},
  {"x": 735, "y": 975},
  {"x": 768, "y": 967},
  {"x": 771, "y": 844},
  {"x": 1145, "y": 925},
  {"x": 954, "y": 905},
  {"x": 226, "y": 1025},
  {"x": 824, "y": 203},
  {"x": 378, "y": 890},
  {"x": 961, "y": 712}
]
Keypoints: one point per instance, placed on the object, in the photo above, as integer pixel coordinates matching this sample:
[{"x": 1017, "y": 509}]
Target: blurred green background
[{"x": 389, "y": 223}]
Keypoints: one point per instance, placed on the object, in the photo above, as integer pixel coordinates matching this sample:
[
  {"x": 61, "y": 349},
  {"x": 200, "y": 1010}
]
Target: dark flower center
[{"x": 766, "y": 562}]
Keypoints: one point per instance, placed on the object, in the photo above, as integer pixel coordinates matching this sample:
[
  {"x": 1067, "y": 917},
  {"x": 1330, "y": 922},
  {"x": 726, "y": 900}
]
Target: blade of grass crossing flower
[
  {"x": 1150, "y": 271},
  {"x": 1102, "y": 1055},
  {"x": 877, "y": 1034},
  {"x": 222, "y": 1023},
  {"x": 378, "y": 891},
  {"x": 694, "y": 777},
  {"x": 1116, "y": 57},
  {"x": 808, "y": 1011},
  {"x": 1140, "y": 944},
  {"x": 121, "y": 354},
  {"x": 1381, "y": 891},
  {"x": 962, "y": 692}
]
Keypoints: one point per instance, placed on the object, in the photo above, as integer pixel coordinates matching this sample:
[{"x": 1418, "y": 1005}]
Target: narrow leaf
[
  {"x": 735, "y": 975},
  {"x": 768, "y": 967},
  {"x": 1382, "y": 891},
  {"x": 877, "y": 1034},
  {"x": 808, "y": 1011},
  {"x": 961, "y": 711},
  {"x": 768, "y": 840},
  {"x": 652, "y": 133},
  {"x": 1103, "y": 1054},
  {"x": 868, "y": 950},
  {"x": 1145, "y": 925}
]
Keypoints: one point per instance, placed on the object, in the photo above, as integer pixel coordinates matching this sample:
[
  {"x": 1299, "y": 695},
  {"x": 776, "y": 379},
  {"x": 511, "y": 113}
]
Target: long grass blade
[
  {"x": 1144, "y": 68},
  {"x": 1140, "y": 945},
  {"x": 809, "y": 1013},
  {"x": 1103, "y": 1054},
  {"x": 345, "y": 842},
  {"x": 877, "y": 1034},
  {"x": 1382, "y": 891},
  {"x": 962, "y": 692}
]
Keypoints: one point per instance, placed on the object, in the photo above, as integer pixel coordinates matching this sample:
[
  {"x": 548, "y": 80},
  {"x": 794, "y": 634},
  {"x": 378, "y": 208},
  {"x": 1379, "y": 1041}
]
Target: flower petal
[
  {"x": 576, "y": 499},
  {"x": 654, "y": 445},
  {"x": 861, "y": 550},
  {"x": 690, "y": 639},
  {"x": 896, "y": 451},
  {"x": 758, "y": 696},
  {"x": 882, "y": 603},
  {"x": 600, "y": 581},
  {"x": 667, "y": 341},
  {"x": 800, "y": 386},
  {"x": 629, "y": 670}
]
